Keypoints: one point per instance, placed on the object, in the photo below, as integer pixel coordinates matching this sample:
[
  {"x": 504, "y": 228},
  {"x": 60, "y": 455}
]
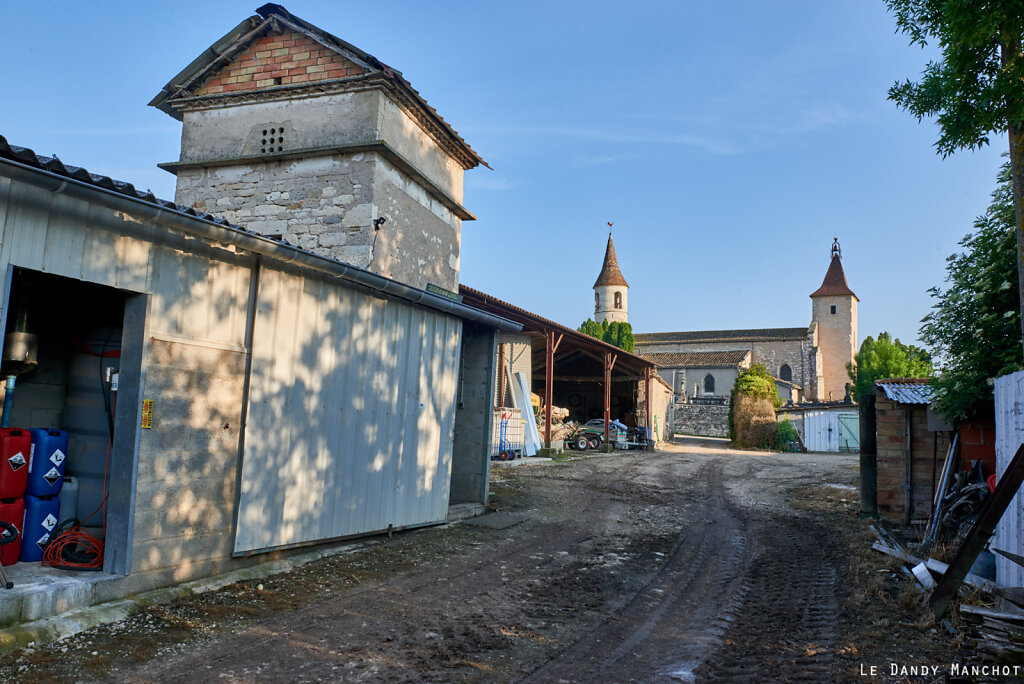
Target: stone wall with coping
[{"x": 700, "y": 420}]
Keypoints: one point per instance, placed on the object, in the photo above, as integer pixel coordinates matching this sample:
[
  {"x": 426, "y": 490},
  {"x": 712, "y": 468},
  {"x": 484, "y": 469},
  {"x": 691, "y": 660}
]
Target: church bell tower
[
  {"x": 834, "y": 310},
  {"x": 610, "y": 289}
]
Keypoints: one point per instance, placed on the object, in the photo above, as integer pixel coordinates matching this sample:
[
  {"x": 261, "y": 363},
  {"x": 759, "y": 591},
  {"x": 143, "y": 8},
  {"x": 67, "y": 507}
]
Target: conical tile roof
[
  {"x": 610, "y": 273},
  {"x": 835, "y": 281}
]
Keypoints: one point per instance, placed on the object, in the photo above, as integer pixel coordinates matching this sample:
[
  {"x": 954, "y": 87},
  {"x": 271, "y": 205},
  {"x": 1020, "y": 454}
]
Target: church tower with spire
[
  {"x": 834, "y": 314},
  {"x": 610, "y": 289}
]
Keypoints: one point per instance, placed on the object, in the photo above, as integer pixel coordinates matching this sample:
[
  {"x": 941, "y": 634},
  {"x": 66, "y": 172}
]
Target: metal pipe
[{"x": 211, "y": 230}]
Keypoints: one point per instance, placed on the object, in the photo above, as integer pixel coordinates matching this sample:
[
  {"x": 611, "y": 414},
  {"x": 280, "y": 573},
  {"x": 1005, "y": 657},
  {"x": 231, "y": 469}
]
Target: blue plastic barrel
[
  {"x": 40, "y": 520},
  {"x": 47, "y": 463}
]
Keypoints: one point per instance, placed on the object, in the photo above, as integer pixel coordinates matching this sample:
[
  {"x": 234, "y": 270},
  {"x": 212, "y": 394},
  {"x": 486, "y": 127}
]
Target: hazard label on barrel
[
  {"x": 49, "y": 522},
  {"x": 17, "y": 461},
  {"x": 43, "y": 541},
  {"x": 57, "y": 458},
  {"x": 52, "y": 475}
]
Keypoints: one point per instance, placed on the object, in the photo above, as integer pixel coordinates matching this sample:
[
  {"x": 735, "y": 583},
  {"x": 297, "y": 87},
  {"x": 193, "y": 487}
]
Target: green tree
[
  {"x": 886, "y": 358},
  {"x": 620, "y": 335},
  {"x": 972, "y": 330},
  {"x": 976, "y": 89},
  {"x": 592, "y": 328},
  {"x": 756, "y": 382}
]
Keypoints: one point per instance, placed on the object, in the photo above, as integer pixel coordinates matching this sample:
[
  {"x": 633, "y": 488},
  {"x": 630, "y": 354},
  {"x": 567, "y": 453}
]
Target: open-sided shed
[{"x": 591, "y": 378}]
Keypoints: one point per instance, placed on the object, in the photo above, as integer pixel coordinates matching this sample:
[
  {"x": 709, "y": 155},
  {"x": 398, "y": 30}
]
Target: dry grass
[
  {"x": 754, "y": 421},
  {"x": 881, "y": 619}
]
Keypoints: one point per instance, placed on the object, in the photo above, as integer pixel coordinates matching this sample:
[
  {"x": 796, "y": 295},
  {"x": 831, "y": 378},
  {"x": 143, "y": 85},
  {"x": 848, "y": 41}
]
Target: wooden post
[
  {"x": 609, "y": 363},
  {"x": 551, "y": 346},
  {"x": 648, "y": 375},
  {"x": 991, "y": 512}
]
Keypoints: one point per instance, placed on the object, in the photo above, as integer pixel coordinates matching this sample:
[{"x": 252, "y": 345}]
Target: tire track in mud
[
  {"x": 677, "y": 616},
  {"x": 786, "y": 627}
]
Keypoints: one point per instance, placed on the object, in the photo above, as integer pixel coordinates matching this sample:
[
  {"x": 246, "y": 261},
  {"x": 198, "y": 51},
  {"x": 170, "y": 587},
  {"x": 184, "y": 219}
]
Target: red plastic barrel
[
  {"x": 15, "y": 448},
  {"x": 12, "y": 511}
]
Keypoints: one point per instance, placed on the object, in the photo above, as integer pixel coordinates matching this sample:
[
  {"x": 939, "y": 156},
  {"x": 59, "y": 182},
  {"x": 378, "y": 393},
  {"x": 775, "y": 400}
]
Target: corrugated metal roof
[
  {"x": 723, "y": 359},
  {"x": 907, "y": 390},
  {"x": 754, "y": 335}
]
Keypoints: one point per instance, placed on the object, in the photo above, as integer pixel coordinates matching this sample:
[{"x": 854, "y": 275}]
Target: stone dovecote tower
[
  {"x": 293, "y": 133},
  {"x": 834, "y": 311},
  {"x": 610, "y": 290}
]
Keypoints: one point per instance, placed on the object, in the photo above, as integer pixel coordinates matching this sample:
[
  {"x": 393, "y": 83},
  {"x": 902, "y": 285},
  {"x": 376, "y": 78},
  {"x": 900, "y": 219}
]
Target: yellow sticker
[{"x": 147, "y": 413}]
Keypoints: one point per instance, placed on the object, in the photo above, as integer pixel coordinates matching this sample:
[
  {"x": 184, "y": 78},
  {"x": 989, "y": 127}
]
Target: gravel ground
[{"x": 694, "y": 563}]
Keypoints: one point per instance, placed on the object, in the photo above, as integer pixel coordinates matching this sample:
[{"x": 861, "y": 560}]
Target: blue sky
[{"x": 728, "y": 143}]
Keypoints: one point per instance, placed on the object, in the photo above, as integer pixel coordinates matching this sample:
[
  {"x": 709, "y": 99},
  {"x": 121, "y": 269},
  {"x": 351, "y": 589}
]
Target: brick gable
[{"x": 282, "y": 59}]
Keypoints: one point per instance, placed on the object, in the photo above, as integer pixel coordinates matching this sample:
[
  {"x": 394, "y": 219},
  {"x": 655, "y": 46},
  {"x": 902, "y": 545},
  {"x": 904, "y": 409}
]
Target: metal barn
[{"x": 259, "y": 397}]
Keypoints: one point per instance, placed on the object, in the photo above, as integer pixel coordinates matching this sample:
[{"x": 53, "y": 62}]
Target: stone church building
[{"x": 808, "y": 363}]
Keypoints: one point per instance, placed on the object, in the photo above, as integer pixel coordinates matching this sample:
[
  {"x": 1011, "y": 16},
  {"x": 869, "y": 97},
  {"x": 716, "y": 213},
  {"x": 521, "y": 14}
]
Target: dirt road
[{"x": 682, "y": 565}]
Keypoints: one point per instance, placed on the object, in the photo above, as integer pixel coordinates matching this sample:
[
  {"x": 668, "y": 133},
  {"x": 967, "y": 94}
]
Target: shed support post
[
  {"x": 908, "y": 485},
  {"x": 551, "y": 346},
  {"x": 609, "y": 363},
  {"x": 647, "y": 403}
]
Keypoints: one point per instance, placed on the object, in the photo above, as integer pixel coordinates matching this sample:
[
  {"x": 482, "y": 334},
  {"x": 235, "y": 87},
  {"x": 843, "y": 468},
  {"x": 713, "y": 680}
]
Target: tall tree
[
  {"x": 978, "y": 86},
  {"x": 621, "y": 335},
  {"x": 972, "y": 328},
  {"x": 592, "y": 328},
  {"x": 886, "y": 358}
]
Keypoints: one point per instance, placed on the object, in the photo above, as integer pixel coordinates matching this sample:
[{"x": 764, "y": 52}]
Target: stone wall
[
  {"x": 703, "y": 421},
  {"x": 328, "y": 204}
]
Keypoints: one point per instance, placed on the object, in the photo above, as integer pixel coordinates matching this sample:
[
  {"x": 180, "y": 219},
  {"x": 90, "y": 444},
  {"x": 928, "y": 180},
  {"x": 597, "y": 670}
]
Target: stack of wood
[{"x": 994, "y": 632}]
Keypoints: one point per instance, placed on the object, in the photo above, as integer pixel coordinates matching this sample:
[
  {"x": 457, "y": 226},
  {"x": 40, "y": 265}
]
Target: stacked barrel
[{"x": 31, "y": 476}]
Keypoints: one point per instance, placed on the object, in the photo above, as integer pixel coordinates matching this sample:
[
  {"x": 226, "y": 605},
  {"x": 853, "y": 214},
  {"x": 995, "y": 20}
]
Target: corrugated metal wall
[
  {"x": 351, "y": 412},
  {"x": 1009, "y": 392}
]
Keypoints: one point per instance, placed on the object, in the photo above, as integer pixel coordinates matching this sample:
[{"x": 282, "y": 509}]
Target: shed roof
[
  {"x": 24, "y": 163},
  {"x": 271, "y": 17},
  {"x": 753, "y": 335},
  {"x": 531, "y": 322},
  {"x": 907, "y": 390},
  {"x": 610, "y": 273},
  {"x": 717, "y": 359}
]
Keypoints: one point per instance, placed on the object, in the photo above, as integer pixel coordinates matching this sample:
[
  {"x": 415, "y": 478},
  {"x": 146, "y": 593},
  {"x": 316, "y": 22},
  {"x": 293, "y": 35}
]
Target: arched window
[
  {"x": 597, "y": 301},
  {"x": 709, "y": 384},
  {"x": 618, "y": 300},
  {"x": 786, "y": 373}
]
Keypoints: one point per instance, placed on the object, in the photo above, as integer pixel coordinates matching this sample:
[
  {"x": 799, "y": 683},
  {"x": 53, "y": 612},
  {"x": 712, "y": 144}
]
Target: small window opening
[
  {"x": 709, "y": 384},
  {"x": 597, "y": 301},
  {"x": 277, "y": 80},
  {"x": 618, "y": 300},
  {"x": 786, "y": 373},
  {"x": 833, "y": 308}
]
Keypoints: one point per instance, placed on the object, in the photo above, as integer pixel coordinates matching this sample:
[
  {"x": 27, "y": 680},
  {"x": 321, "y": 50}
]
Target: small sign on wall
[{"x": 147, "y": 413}]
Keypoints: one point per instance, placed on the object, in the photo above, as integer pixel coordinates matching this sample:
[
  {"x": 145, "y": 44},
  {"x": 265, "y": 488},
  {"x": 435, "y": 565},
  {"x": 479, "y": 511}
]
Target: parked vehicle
[{"x": 590, "y": 435}]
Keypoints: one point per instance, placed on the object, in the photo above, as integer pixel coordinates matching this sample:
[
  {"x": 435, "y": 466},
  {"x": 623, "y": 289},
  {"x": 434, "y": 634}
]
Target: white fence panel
[{"x": 1009, "y": 391}]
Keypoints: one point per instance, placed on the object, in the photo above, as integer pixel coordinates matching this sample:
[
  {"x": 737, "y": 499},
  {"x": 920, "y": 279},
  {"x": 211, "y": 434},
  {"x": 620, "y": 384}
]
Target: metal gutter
[{"x": 280, "y": 252}]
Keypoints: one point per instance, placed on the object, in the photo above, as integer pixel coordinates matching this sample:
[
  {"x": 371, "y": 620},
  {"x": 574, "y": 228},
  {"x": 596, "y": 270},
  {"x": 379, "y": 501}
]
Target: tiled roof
[
  {"x": 268, "y": 17},
  {"x": 907, "y": 390},
  {"x": 723, "y": 359},
  {"x": 835, "y": 281},
  {"x": 755, "y": 335},
  {"x": 610, "y": 273}
]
